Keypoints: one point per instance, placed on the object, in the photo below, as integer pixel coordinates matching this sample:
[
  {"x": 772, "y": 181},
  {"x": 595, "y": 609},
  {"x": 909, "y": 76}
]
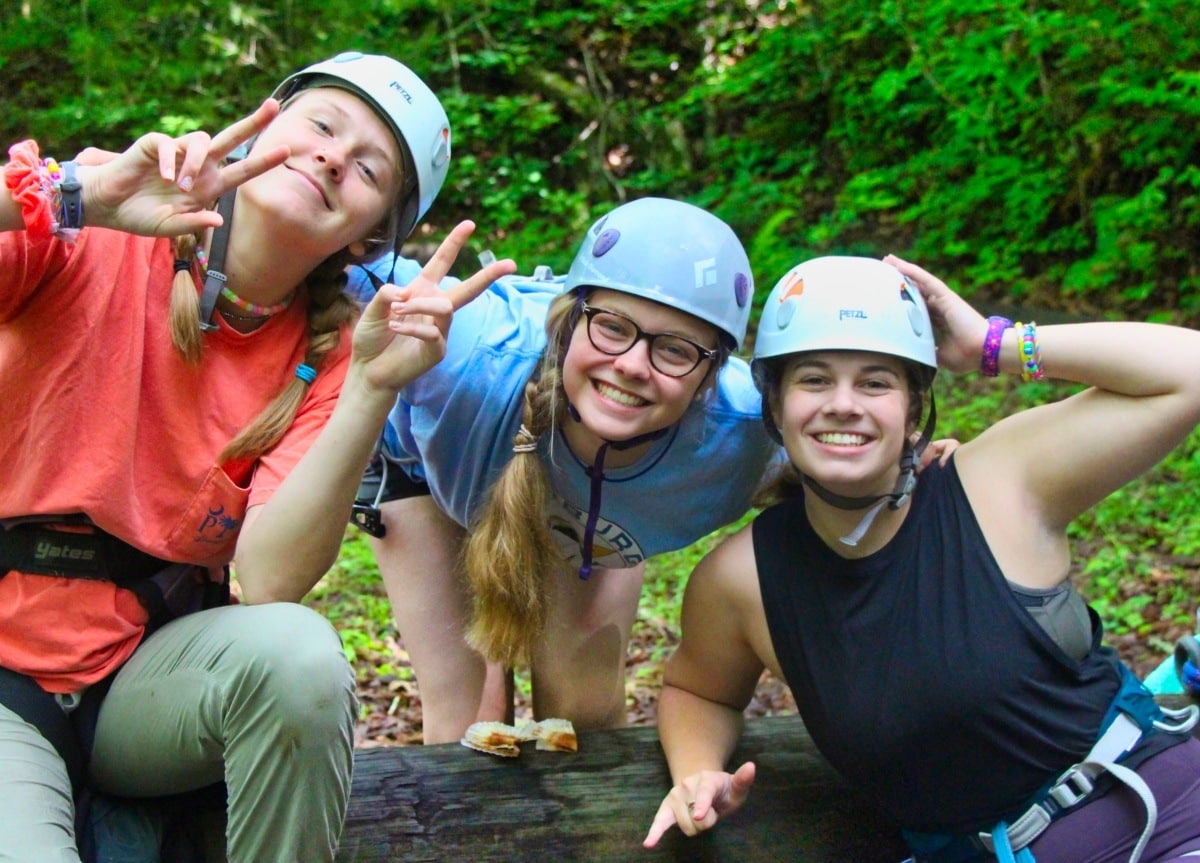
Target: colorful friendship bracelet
[
  {"x": 989, "y": 360},
  {"x": 1031, "y": 353}
]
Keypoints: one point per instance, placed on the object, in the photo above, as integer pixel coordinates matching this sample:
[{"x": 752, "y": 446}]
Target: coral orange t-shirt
[{"x": 99, "y": 414}]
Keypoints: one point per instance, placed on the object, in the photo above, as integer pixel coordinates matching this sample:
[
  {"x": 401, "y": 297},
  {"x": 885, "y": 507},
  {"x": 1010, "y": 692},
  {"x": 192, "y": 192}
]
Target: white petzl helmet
[
  {"x": 848, "y": 304},
  {"x": 845, "y": 304},
  {"x": 407, "y": 104},
  {"x": 673, "y": 253}
]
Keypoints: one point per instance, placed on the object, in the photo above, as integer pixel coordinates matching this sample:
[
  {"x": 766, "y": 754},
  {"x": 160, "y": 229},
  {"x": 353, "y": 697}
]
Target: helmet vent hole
[
  {"x": 741, "y": 289},
  {"x": 605, "y": 242}
]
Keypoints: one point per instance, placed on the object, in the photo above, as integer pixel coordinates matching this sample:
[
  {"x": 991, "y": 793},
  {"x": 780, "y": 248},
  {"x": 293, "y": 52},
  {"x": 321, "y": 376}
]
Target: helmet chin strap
[
  {"x": 215, "y": 278},
  {"x": 896, "y": 498},
  {"x": 595, "y": 473}
]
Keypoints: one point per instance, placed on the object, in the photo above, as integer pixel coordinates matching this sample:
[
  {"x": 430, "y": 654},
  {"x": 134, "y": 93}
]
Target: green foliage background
[
  {"x": 1033, "y": 151},
  {"x": 1030, "y": 152}
]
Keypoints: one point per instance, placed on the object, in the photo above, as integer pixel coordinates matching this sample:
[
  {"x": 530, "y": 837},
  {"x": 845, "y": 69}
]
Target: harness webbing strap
[
  {"x": 1074, "y": 786},
  {"x": 1004, "y": 851},
  {"x": 1132, "y": 716},
  {"x": 72, "y": 547},
  {"x": 72, "y": 550}
]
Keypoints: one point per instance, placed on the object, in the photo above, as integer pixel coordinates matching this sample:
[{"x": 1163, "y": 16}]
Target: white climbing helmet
[
  {"x": 673, "y": 253},
  {"x": 406, "y": 103},
  {"x": 848, "y": 304}
]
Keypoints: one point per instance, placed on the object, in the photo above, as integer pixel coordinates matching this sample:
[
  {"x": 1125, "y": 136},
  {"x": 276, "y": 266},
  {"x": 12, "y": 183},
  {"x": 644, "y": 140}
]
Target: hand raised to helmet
[
  {"x": 960, "y": 329},
  {"x": 164, "y": 187}
]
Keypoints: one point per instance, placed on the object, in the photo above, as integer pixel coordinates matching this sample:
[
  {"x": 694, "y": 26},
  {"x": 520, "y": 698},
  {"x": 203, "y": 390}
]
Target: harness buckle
[
  {"x": 1021, "y": 832},
  {"x": 1074, "y": 785},
  {"x": 368, "y": 519}
]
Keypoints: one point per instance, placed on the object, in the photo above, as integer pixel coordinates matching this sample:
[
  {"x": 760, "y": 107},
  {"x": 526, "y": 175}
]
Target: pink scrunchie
[{"x": 23, "y": 179}]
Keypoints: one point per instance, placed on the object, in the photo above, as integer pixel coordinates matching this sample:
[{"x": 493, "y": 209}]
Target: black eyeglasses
[{"x": 612, "y": 333}]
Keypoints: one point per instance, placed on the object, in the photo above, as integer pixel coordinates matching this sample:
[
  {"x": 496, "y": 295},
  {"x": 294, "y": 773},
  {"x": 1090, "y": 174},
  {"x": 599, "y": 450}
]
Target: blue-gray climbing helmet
[
  {"x": 406, "y": 104},
  {"x": 847, "y": 304},
  {"x": 673, "y": 253}
]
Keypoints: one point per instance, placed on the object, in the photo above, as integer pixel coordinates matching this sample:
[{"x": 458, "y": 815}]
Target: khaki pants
[{"x": 260, "y": 696}]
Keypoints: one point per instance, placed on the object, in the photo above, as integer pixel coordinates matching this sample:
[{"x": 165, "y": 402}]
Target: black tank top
[{"x": 918, "y": 674}]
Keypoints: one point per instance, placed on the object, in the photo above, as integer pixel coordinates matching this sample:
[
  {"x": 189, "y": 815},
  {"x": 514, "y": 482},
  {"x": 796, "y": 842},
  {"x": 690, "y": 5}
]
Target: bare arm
[
  {"x": 401, "y": 334},
  {"x": 1055, "y": 461},
  {"x": 10, "y": 213},
  {"x": 708, "y": 681}
]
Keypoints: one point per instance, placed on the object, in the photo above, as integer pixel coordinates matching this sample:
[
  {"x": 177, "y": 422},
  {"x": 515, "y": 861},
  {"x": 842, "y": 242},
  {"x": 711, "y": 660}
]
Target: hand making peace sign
[
  {"x": 163, "y": 186},
  {"x": 402, "y": 332}
]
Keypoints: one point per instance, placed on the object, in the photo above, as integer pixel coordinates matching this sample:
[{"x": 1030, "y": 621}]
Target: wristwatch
[{"x": 70, "y": 214}]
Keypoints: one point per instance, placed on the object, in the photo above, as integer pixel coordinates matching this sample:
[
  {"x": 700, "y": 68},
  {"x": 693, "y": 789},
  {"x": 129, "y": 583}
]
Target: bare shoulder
[
  {"x": 728, "y": 573},
  {"x": 725, "y": 642}
]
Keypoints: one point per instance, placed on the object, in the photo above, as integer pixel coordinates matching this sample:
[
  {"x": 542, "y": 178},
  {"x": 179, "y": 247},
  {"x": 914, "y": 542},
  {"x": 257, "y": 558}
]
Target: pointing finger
[
  {"x": 742, "y": 781},
  {"x": 664, "y": 820},
  {"x": 241, "y": 131},
  {"x": 465, "y": 291},
  {"x": 443, "y": 259}
]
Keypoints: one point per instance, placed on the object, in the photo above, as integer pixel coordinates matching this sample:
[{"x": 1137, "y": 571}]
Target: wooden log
[{"x": 449, "y": 803}]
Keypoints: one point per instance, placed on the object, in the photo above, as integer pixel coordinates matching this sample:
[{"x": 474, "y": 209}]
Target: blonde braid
[
  {"x": 329, "y": 309},
  {"x": 510, "y": 554},
  {"x": 184, "y": 313}
]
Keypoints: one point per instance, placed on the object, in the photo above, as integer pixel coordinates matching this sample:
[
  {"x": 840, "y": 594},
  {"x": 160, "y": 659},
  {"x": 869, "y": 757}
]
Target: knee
[
  {"x": 594, "y": 711},
  {"x": 590, "y": 701},
  {"x": 293, "y": 659}
]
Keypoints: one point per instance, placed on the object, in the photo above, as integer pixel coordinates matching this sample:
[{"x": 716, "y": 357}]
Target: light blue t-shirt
[{"x": 458, "y": 420}]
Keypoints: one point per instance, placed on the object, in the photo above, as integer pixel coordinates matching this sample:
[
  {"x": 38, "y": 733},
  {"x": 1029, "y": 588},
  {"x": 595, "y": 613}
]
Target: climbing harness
[
  {"x": 1132, "y": 716},
  {"x": 72, "y": 547},
  {"x": 380, "y": 481}
]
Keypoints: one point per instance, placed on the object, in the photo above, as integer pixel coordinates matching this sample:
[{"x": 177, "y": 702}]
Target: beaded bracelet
[
  {"x": 989, "y": 361},
  {"x": 1030, "y": 352}
]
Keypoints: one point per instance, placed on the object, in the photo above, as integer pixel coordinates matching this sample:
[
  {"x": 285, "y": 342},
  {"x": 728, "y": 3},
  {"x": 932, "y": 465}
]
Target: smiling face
[
  {"x": 624, "y": 396},
  {"x": 342, "y": 177},
  {"x": 844, "y": 417}
]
